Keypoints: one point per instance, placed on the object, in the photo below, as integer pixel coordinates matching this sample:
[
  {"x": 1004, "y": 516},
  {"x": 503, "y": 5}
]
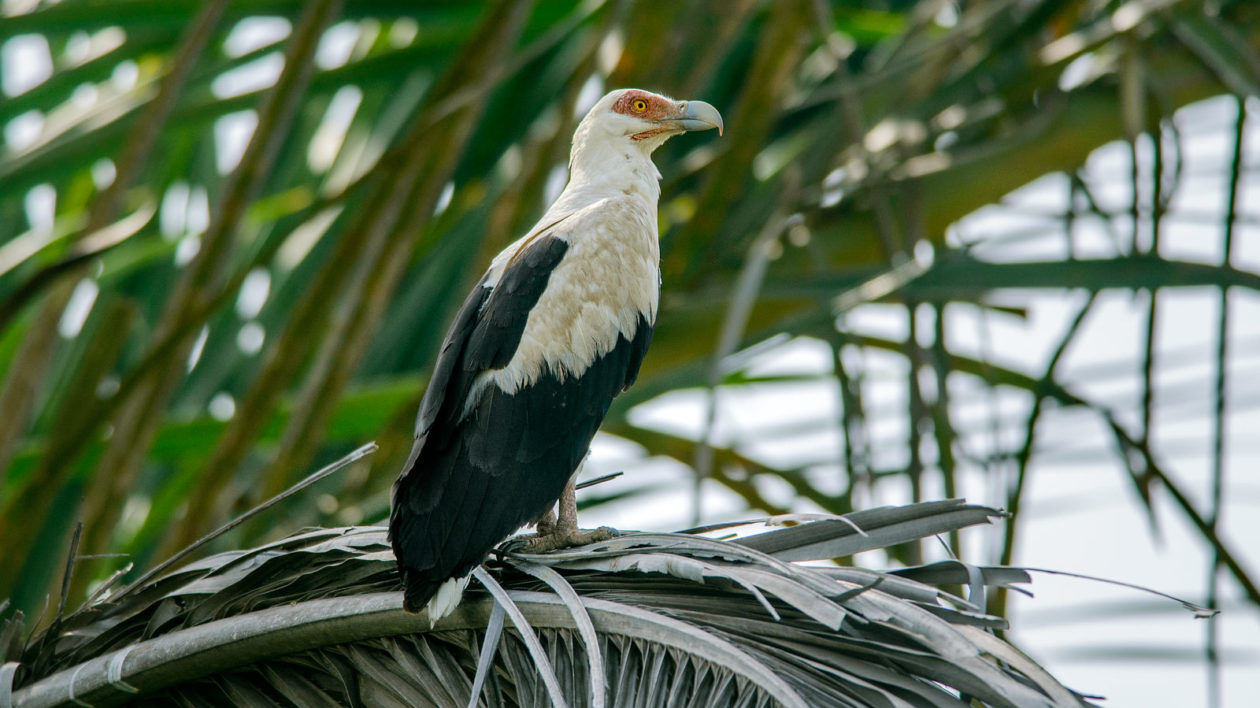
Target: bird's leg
[
  {"x": 566, "y": 508},
  {"x": 565, "y": 532},
  {"x": 546, "y": 523}
]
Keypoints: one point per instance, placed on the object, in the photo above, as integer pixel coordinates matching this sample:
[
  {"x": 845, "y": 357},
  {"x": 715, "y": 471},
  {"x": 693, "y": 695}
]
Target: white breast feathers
[{"x": 608, "y": 278}]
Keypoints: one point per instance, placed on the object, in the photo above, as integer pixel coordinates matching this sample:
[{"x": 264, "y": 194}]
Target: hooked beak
[{"x": 697, "y": 115}]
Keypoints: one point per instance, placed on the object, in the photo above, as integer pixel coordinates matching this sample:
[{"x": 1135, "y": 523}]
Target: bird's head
[{"x": 642, "y": 120}]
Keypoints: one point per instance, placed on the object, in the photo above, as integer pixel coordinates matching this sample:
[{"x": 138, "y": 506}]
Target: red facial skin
[{"x": 657, "y": 109}]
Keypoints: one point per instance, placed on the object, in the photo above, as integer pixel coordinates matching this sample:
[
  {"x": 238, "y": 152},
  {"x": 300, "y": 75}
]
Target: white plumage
[{"x": 609, "y": 276}]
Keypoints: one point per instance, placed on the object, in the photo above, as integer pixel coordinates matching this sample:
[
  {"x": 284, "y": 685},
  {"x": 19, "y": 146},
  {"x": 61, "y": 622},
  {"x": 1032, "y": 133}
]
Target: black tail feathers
[{"x": 417, "y": 591}]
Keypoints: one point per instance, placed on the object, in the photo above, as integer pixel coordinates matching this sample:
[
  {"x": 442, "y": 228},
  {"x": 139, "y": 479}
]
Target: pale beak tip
[{"x": 699, "y": 115}]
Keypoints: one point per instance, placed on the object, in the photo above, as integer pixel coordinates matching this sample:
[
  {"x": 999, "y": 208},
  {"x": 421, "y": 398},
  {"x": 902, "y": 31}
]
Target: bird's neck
[{"x": 601, "y": 170}]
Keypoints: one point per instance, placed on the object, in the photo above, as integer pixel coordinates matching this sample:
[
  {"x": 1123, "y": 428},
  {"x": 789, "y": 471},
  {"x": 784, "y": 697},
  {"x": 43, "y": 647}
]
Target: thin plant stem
[{"x": 1212, "y": 643}]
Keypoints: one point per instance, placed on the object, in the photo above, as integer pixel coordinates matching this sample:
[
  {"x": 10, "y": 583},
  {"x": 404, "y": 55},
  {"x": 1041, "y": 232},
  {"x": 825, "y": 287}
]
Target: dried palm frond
[{"x": 643, "y": 619}]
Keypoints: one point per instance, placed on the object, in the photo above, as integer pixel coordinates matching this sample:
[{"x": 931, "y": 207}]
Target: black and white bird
[{"x": 556, "y": 328}]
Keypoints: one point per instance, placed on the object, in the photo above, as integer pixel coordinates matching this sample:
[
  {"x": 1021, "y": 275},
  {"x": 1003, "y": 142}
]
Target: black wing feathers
[
  {"x": 444, "y": 371},
  {"x": 494, "y": 340},
  {"x": 484, "y": 335},
  {"x": 638, "y": 349},
  {"x": 437, "y": 483}
]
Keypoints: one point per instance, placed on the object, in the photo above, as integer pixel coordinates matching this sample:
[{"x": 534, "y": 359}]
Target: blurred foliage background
[{"x": 232, "y": 235}]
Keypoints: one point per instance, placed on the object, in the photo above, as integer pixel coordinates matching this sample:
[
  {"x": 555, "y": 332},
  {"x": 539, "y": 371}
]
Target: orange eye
[{"x": 639, "y": 105}]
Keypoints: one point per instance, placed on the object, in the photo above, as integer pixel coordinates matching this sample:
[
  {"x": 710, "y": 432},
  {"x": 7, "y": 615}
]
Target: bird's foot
[{"x": 567, "y": 538}]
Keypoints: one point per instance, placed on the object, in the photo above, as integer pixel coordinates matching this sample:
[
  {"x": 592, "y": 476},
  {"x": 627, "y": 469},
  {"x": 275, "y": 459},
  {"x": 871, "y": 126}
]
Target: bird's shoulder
[{"x": 574, "y": 222}]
